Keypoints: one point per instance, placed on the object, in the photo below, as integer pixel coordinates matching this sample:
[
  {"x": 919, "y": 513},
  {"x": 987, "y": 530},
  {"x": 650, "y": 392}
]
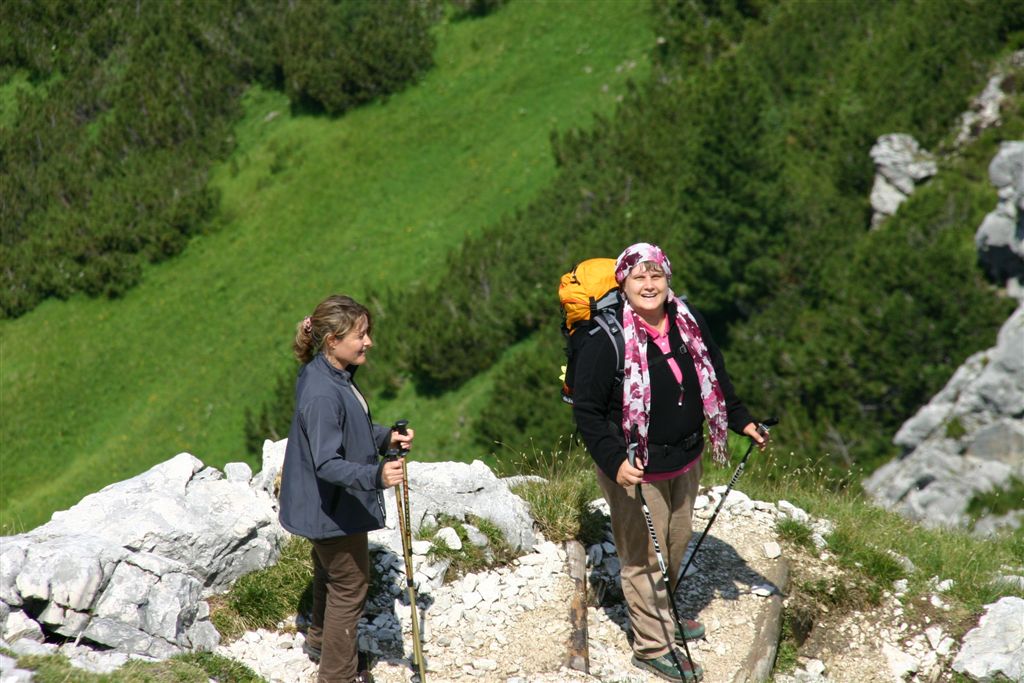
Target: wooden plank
[{"x": 579, "y": 651}]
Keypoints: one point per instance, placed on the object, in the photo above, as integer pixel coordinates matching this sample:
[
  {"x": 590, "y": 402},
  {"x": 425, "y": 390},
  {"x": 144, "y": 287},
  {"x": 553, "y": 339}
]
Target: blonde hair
[
  {"x": 338, "y": 315},
  {"x": 646, "y": 267},
  {"x": 652, "y": 267}
]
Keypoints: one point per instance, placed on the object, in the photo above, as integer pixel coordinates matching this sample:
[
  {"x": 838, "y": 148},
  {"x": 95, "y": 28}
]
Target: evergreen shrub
[
  {"x": 105, "y": 160},
  {"x": 338, "y": 55},
  {"x": 474, "y": 9}
]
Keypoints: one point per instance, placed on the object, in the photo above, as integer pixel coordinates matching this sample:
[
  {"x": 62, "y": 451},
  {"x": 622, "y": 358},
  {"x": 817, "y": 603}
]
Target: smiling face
[
  {"x": 646, "y": 290},
  {"x": 350, "y": 348}
]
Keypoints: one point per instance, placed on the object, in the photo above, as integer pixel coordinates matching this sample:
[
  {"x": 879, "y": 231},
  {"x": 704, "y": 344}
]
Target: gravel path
[{"x": 512, "y": 624}]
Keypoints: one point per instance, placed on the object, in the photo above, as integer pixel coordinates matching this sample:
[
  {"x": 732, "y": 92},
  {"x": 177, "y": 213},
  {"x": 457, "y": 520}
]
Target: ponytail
[{"x": 337, "y": 315}]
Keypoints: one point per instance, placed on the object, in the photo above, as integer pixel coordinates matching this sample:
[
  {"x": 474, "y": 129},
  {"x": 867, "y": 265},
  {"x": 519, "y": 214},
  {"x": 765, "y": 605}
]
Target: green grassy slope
[{"x": 94, "y": 391}]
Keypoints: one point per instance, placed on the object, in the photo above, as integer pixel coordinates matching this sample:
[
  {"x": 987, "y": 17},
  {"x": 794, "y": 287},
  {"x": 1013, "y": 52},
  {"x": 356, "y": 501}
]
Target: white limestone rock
[{"x": 995, "y": 648}]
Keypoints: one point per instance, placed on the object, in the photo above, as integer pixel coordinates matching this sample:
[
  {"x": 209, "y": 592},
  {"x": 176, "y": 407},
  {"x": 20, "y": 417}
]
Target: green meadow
[{"x": 97, "y": 390}]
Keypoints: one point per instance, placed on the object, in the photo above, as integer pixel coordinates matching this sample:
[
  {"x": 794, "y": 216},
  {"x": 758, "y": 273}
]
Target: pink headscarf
[{"x": 636, "y": 384}]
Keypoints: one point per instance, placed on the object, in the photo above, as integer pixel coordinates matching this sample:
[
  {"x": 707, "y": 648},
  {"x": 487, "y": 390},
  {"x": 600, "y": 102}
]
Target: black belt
[{"x": 688, "y": 443}]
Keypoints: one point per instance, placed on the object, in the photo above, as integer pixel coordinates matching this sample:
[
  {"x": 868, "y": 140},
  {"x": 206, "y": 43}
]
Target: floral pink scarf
[{"x": 636, "y": 385}]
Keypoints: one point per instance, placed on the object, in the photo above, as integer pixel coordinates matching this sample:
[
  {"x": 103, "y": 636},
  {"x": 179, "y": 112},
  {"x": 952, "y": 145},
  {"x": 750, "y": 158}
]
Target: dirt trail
[{"x": 733, "y": 567}]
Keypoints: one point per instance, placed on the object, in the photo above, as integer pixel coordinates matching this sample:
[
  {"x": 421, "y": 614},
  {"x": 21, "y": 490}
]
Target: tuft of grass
[
  {"x": 218, "y": 668},
  {"x": 198, "y": 667},
  {"x": 797, "y": 533},
  {"x": 470, "y": 558},
  {"x": 786, "y": 655},
  {"x": 840, "y": 593},
  {"x": 264, "y": 598},
  {"x": 955, "y": 429},
  {"x": 560, "y": 507},
  {"x": 859, "y": 553},
  {"x": 561, "y": 503}
]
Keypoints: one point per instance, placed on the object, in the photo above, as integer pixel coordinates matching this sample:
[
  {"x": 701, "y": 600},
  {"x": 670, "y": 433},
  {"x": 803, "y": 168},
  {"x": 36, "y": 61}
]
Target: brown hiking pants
[
  {"x": 671, "y": 505},
  {"x": 341, "y": 577}
]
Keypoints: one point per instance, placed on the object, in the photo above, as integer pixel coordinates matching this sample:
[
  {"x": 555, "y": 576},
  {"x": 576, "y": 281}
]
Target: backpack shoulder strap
[{"x": 605, "y": 320}]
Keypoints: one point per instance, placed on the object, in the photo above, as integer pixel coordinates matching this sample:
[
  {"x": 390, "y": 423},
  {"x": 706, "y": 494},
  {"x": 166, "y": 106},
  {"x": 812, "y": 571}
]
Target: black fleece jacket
[{"x": 597, "y": 405}]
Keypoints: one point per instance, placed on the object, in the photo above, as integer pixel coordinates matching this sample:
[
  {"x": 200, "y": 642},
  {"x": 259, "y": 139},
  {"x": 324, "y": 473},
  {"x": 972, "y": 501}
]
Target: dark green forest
[{"x": 131, "y": 100}]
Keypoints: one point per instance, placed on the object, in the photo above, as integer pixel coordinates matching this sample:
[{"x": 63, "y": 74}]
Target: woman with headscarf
[{"x": 673, "y": 379}]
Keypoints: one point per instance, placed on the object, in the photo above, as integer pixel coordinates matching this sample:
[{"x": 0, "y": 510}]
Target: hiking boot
[
  {"x": 692, "y": 630},
  {"x": 311, "y": 652},
  {"x": 665, "y": 667},
  {"x": 362, "y": 676}
]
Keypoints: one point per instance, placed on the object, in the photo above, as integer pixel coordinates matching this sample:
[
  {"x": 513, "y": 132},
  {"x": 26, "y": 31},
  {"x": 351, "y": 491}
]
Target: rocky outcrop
[
  {"x": 985, "y": 110},
  {"x": 969, "y": 439},
  {"x": 994, "y": 650},
  {"x": 900, "y": 164},
  {"x": 1000, "y": 238},
  {"x": 459, "y": 490},
  {"x": 129, "y": 566},
  {"x": 452, "y": 489}
]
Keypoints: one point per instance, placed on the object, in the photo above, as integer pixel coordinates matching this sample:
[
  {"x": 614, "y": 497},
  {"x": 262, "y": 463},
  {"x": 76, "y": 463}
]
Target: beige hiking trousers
[{"x": 671, "y": 505}]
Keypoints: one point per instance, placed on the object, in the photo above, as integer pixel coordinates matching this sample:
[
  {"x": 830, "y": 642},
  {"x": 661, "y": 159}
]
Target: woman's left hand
[
  {"x": 758, "y": 437},
  {"x": 392, "y": 474},
  {"x": 402, "y": 442}
]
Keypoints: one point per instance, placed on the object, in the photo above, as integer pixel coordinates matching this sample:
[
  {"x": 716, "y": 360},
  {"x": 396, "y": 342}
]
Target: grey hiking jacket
[{"x": 330, "y": 482}]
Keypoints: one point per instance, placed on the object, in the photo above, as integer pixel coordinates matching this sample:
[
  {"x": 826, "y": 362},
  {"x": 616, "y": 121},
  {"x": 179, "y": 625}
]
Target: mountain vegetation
[
  {"x": 181, "y": 182},
  {"x": 733, "y": 133},
  {"x": 745, "y": 157},
  {"x": 99, "y": 388},
  {"x": 123, "y": 108}
]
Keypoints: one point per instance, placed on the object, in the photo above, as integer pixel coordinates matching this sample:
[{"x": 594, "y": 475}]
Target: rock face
[
  {"x": 900, "y": 164},
  {"x": 439, "y": 488},
  {"x": 1000, "y": 238},
  {"x": 967, "y": 440},
  {"x": 456, "y": 489},
  {"x": 995, "y": 649},
  {"x": 986, "y": 109},
  {"x": 970, "y": 438},
  {"x": 129, "y": 566}
]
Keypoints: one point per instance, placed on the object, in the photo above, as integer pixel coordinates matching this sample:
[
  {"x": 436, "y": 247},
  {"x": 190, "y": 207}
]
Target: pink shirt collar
[{"x": 654, "y": 332}]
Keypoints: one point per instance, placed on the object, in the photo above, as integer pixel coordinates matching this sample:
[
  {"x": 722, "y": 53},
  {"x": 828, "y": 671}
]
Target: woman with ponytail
[
  {"x": 333, "y": 479},
  {"x": 673, "y": 379}
]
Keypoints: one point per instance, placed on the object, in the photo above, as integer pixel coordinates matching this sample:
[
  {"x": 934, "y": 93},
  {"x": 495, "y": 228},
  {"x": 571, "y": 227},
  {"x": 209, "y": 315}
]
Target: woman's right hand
[
  {"x": 391, "y": 475},
  {"x": 628, "y": 475}
]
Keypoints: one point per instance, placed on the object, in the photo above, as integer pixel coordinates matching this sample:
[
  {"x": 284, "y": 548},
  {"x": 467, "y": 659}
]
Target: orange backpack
[{"x": 590, "y": 302}]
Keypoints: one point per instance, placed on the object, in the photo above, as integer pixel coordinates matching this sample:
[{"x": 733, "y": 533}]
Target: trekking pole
[
  {"x": 405, "y": 531},
  {"x": 631, "y": 455},
  {"x": 762, "y": 429}
]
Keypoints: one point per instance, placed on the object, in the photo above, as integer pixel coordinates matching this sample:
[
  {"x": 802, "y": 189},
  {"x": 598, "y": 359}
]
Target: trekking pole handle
[
  {"x": 401, "y": 426},
  {"x": 762, "y": 429},
  {"x": 763, "y": 426},
  {"x": 631, "y": 447}
]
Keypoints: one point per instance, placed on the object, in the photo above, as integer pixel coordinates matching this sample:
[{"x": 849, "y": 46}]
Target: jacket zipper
[{"x": 369, "y": 422}]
